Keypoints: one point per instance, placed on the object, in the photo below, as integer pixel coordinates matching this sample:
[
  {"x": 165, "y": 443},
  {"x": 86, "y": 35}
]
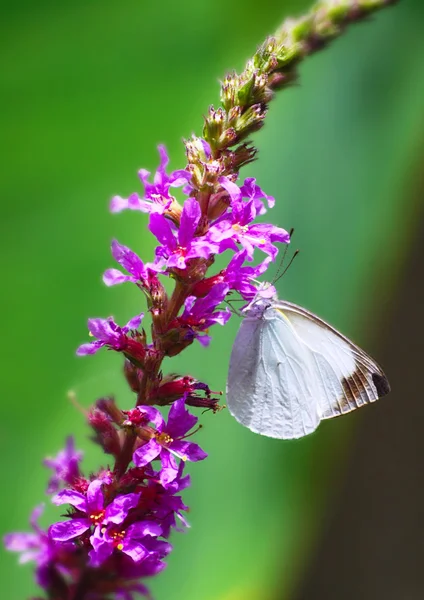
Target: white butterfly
[{"x": 289, "y": 369}]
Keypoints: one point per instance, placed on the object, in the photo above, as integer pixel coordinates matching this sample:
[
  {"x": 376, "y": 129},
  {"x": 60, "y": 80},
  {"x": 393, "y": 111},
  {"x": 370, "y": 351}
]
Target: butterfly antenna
[
  {"x": 283, "y": 258},
  {"x": 278, "y": 274},
  {"x": 286, "y": 269}
]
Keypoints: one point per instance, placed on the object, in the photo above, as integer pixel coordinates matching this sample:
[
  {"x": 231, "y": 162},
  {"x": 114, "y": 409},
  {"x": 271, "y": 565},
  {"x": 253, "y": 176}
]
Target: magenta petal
[
  {"x": 142, "y": 528},
  {"x": 76, "y": 499},
  {"x": 188, "y": 450},
  {"x": 231, "y": 188},
  {"x": 21, "y": 542},
  {"x": 68, "y": 530},
  {"x": 221, "y": 317},
  {"x": 201, "y": 249},
  {"x": 114, "y": 277},
  {"x": 204, "y": 340},
  {"x": 180, "y": 420},
  {"x": 154, "y": 416},
  {"x": 169, "y": 470},
  {"x": 102, "y": 328},
  {"x": 38, "y": 510},
  {"x": 236, "y": 262},
  {"x": 190, "y": 218},
  {"x": 161, "y": 228},
  {"x": 95, "y": 498},
  {"x": 262, "y": 267},
  {"x": 164, "y": 159},
  {"x": 145, "y": 454},
  {"x": 176, "y": 261},
  {"x": 129, "y": 260},
  {"x": 136, "y": 203},
  {"x": 134, "y": 323},
  {"x": 117, "y": 204},
  {"x": 206, "y": 148},
  {"x": 248, "y": 213},
  {"x": 252, "y": 191},
  {"x": 144, "y": 175},
  {"x": 159, "y": 547},
  {"x": 31, "y": 555},
  {"x": 89, "y": 348},
  {"x": 179, "y": 178},
  {"x": 134, "y": 550},
  {"x": 118, "y": 510},
  {"x": 102, "y": 549},
  {"x": 188, "y": 304}
]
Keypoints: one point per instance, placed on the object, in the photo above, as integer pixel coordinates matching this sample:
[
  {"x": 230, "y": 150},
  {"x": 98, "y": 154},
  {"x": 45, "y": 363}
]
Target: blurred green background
[{"x": 88, "y": 91}]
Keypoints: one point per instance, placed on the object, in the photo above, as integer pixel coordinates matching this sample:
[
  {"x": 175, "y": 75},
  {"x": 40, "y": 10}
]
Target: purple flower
[
  {"x": 130, "y": 571},
  {"x": 32, "y": 546},
  {"x": 157, "y": 198},
  {"x": 250, "y": 190},
  {"x": 168, "y": 441},
  {"x": 179, "y": 247},
  {"x": 36, "y": 546},
  {"x": 232, "y": 188},
  {"x": 171, "y": 507},
  {"x": 236, "y": 228},
  {"x": 241, "y": 278},
  {"x": 199, "y": 313},
  {"x": 164, "y": 504},
  {"x": 91, "y": 507},
  {"x": 139, "y": 273},
  {"x": 131, "y": 541},
  {"x": 64, "y": 465},
  {"x": 108, "y": 333}
]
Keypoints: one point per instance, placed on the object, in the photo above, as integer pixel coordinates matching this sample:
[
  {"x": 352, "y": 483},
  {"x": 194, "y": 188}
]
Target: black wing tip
[{"x": 381, "y": 383}]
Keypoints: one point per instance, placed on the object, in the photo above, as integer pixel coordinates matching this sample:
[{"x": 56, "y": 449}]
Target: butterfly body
[{"x": 289, "y": 369}]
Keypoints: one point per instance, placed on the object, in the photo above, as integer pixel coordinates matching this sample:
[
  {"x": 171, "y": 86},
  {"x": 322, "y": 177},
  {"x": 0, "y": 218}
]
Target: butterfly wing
[
  {"x": 271, "y": 385},
  {"x": 347, "y": 377}
]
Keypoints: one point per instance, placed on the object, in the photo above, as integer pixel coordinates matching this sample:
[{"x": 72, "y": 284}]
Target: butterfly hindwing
[{"x": 271, "y": 381}]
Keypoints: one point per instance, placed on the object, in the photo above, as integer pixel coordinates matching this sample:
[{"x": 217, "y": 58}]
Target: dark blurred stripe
[{"x": 372, "y": 543}]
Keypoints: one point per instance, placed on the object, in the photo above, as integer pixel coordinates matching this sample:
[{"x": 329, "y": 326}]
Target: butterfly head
[{"x": 265, "y": 297}]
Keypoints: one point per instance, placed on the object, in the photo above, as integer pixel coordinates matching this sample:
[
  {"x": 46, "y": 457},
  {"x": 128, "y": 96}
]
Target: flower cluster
[
  {"x": 116, "y": 527},
  {"x": 118, "y": 520}
]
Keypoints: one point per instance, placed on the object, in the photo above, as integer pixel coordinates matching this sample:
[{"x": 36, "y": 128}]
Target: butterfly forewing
[{"x": 347, "y": 377}]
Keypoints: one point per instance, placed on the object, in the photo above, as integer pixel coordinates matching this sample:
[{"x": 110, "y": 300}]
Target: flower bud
[
  {"x": 105, "y": 433},
  {"x": 197, "y": 150},
  {"x": 176, "y": 340},
  {"x": 203, "y": 287},
  {"x": 214, "y": 124},
  {"x": 206, "y": 402},
  {"x": 133, "y": 375},
  {"x": 217, "y": 205},
  {"x": 171, "y": 388},
  {"x": 108, "y": 407}
]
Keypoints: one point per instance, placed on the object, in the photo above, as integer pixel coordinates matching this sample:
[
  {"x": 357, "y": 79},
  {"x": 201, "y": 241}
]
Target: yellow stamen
[
  {"x": 164, "y": 438},
  {"x": 239, "y": 228}
]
